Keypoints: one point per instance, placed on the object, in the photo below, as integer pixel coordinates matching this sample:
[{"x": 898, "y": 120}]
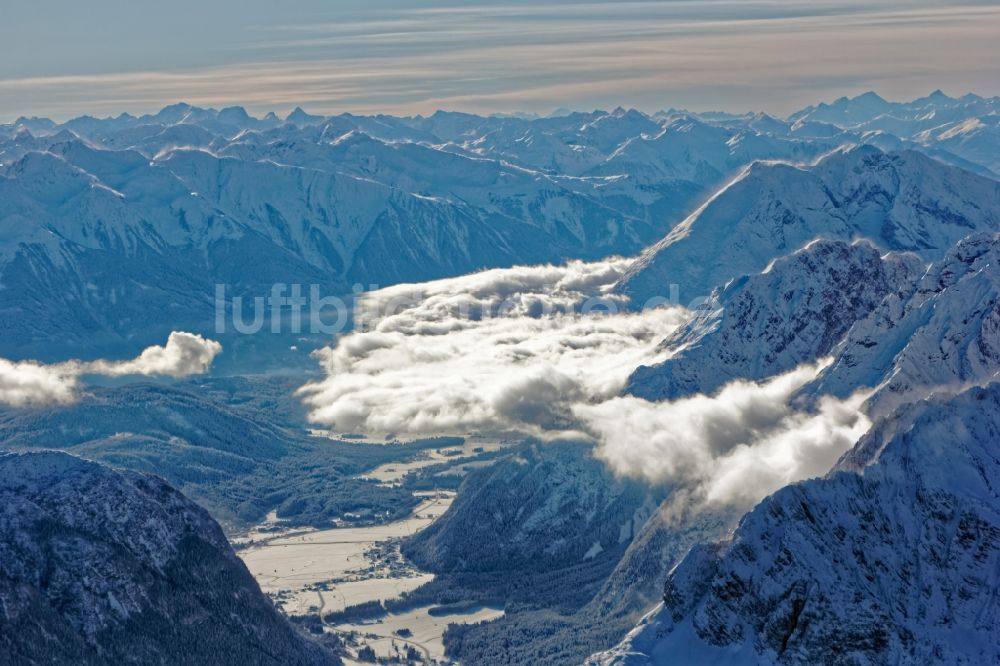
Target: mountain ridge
[{"x": 101, "y": 566}]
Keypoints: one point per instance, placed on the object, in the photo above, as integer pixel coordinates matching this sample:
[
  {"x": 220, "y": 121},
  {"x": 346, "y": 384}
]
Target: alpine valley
[{"x": 610, "y": 387}]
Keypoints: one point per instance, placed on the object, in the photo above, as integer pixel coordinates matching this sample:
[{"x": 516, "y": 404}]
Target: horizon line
[{"x": 559, "y": 111}]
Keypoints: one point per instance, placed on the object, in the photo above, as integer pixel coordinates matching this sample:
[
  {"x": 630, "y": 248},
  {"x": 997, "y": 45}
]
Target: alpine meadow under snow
[{"x": 603, "y": 387}]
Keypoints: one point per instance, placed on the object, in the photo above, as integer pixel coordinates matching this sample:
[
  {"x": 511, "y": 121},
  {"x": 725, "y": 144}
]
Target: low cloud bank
[
  {"x": 732, "y": 448},
  {"x": 31, "y": 383},
  {"x": 524, "y": 349},
  {"x": 509, "y": 349}
]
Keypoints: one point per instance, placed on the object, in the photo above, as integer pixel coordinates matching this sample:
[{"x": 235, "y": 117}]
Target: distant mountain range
[{"x": 102, "y": 215}]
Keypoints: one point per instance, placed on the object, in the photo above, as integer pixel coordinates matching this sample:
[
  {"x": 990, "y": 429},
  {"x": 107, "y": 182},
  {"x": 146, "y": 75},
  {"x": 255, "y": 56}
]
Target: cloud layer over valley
[
  {"x": 506, "y": 349},
  {"x": 546, "y": 351},
  {"x": 731, "y": 448}
]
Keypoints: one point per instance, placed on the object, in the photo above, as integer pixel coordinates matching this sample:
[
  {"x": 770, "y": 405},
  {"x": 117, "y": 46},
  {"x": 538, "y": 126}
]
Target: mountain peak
[
  {"x": 901, "y": 200},
  {"x": 234, "y": 114},
  {"x": 935, "y": 97},
  {"x": 127, "y": 560},
  {"x": 300, "y": 117},
  {"x": 34, "y": 120},
  {"x": 870, "y": 96}
]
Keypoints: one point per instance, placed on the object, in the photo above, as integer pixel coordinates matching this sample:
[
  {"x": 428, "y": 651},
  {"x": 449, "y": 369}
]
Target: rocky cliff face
[
  {"x": 761, "y": 325},
  {"x": 942, "y": 336},
  {"x": 105, "y": 567},
  {"x": 892, "y": 563}
]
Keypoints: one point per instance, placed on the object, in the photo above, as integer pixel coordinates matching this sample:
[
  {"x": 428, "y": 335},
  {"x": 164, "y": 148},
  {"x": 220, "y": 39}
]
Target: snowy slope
[
  {"x": 898, "y": 200},
  {"x": 894, "y": 563},
  {"x": 765, "y": 324},
  {"x": 976, "y": 139},
  {"x": 944, "y": 334},
  {"x": 110, "y": 242},
  {"x": 102, "y": 567},
  {"x": 547, "y": 506}
]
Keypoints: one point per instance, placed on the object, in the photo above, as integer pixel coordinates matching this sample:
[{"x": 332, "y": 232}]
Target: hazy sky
[{"x": 67, "y": 57}]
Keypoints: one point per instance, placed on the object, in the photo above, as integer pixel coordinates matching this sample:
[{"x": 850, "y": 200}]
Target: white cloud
[
  {"x": 184, "y": 354},
  {"x": 497, "y": 350},
  {"x": 28, "y": 383},
  {"x": 732, "y": 448},
  {"x": 31, "y": 383},
  {"x": 513, "y": 350}
]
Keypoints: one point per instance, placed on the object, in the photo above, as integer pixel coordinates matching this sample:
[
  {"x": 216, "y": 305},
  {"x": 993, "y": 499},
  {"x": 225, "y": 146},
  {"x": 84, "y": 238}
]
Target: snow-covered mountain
[
  {"x": 881, "y": 561},
  {"x": 963, "y": 127},
  {"x": 898, "y": 200},
  {"x": 105, "y": 567},
  {"x": 794, "y": 312},
  {"x": 856, "y": 230},
  {"x": 940, "y": 334},
  {"x": 871, "y": 111},
  {"x": 891, "y": 559},
  {"x": 542, "y": 531},
  {"x": 846, "y": 112},
  {"x": 890, "y": 322},
  {"x": 762, "y": 325},
  {"x": 115, "y": 230},
  {"x": 547, "y": 506}
]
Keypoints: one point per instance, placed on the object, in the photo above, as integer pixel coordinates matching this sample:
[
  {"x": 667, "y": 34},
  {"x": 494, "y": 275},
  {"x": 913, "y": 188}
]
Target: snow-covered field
[
  {"x": 326, "y": 570},
  {"x": 427, "y": 630},
  {"x": 394, "y": 472}
]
